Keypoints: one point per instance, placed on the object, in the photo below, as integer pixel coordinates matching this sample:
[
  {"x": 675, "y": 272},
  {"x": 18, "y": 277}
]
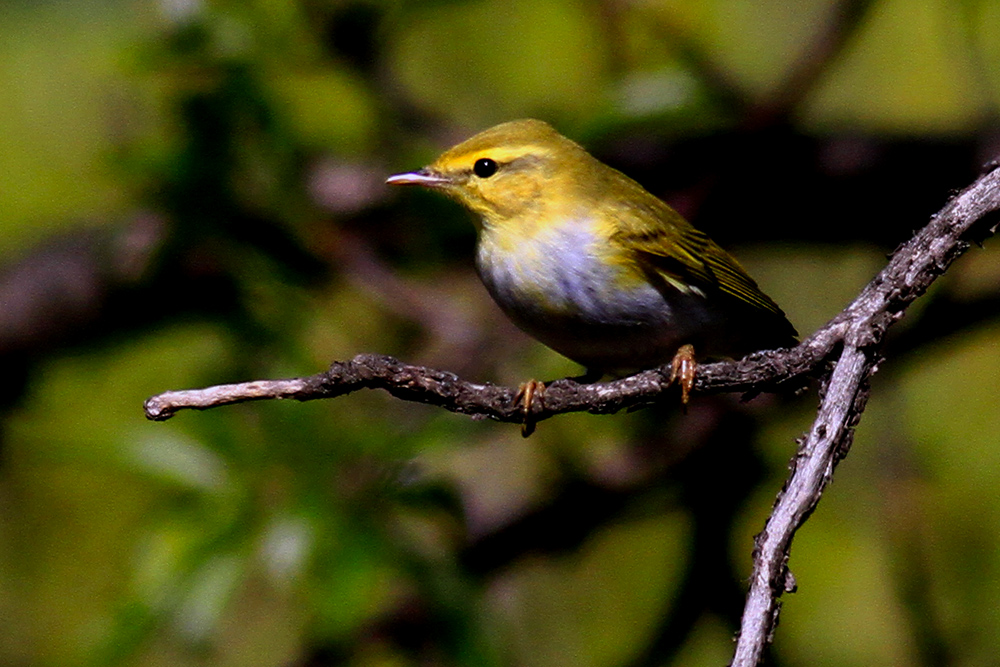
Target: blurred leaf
[
  {"x": 206, "y": 597},
  {"x": 65, "y": 102},
  {"x": 906, "y": 72},
  {"x": 597, "y": 607},
  {"x": 446, "y": 55},
  {"x": 755, "y": 43},
  {"x": 327, "y": 109},
  {"x": 177, "y": 460}
]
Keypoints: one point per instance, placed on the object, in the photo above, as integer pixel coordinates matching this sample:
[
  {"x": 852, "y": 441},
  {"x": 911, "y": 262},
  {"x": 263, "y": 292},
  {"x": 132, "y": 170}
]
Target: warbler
[{"x": 588, "y": 262}]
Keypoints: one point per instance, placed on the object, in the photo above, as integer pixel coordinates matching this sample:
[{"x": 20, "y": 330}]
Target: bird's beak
[{"x": 426, "y": 178}]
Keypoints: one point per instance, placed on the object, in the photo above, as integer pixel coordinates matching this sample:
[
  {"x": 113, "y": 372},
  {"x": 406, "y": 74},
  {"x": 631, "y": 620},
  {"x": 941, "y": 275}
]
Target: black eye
[{"x": 484, "y": 167}]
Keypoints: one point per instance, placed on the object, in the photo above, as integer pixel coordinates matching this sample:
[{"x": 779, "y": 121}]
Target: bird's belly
[{"x": 565, "y": 290}]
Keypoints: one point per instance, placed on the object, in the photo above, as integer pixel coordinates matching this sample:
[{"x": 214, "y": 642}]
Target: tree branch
[
  {"x": 446, "y": 390},
  {"x": 857, "y": 332},
  {"x": 971, "y": 215}
]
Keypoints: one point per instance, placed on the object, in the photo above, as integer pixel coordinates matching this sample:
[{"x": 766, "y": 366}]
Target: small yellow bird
[{"x": 584, "y": 259}]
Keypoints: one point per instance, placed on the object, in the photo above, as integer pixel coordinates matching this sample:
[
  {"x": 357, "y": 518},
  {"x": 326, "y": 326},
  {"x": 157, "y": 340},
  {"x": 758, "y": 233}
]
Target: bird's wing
[{"x": 664, "y": 242}]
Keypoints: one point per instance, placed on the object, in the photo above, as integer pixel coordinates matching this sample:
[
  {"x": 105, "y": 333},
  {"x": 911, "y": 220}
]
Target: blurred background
[{"x": 191, "y": 192}]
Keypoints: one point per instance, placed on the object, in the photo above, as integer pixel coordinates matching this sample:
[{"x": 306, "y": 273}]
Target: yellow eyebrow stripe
[{"x": 500, "y": 154}]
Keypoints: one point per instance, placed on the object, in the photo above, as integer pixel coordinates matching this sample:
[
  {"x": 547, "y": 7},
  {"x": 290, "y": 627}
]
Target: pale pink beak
[{"x": 422, "y": 177}]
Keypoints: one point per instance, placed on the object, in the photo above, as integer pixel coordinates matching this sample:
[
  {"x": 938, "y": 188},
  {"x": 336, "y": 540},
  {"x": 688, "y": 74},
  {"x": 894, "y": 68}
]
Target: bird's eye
[{"x": 484, "y": 167}]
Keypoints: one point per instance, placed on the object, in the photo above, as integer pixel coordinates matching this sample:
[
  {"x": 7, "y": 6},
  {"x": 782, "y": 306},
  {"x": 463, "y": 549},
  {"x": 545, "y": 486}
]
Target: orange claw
[
  {"x": 683, "y": 368},
  {"x": 526, "y": 393}
]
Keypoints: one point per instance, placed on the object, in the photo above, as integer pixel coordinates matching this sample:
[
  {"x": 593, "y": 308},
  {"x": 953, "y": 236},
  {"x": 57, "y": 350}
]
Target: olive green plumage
[{"x": 583, "y": 258}]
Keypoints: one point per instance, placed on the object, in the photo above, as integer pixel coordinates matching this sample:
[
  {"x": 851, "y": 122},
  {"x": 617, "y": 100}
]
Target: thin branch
[
  {"x": 970, "y": 216},
  {"x": 446, "y": 390},
  {"x": 857, "y": 333},
  {"x": 812, "y": 470}
]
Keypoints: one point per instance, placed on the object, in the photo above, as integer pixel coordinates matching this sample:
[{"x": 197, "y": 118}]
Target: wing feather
[{"x": 664, "y": 242}]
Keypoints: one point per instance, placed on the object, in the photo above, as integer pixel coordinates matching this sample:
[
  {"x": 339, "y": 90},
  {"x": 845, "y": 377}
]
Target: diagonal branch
[
  {"x": 971, "y": 215},
  {"x": 850, "y": 341}
]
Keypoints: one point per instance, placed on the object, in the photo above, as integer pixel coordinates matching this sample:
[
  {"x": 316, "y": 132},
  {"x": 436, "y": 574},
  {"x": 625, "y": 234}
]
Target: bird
[{"x": 587, "y": 261}]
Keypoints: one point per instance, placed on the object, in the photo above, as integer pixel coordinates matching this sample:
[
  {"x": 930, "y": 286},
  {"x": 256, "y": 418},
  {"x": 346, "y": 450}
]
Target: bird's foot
[
  {"x": 526, "y": 393},
  {"x": 682, "y": 370}
]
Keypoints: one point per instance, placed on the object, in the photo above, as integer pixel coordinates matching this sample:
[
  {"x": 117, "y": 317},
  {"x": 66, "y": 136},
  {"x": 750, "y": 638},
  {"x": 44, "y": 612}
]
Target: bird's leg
[
  {"x": 682, "y": 368},
  {"x": 526, "y": 393}
]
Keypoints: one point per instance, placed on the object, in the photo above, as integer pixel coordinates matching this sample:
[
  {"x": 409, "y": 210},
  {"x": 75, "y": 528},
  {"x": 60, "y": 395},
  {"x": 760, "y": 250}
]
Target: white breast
[{"x": 563, "y": 272}]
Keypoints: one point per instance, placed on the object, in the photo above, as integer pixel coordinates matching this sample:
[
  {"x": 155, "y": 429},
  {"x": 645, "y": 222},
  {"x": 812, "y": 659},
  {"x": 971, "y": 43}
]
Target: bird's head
[{"x": 516, "y": 169}]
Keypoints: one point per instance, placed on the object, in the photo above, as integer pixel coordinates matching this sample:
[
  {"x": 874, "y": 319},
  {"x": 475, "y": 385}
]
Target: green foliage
[{"x": 366, "y": 531}]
